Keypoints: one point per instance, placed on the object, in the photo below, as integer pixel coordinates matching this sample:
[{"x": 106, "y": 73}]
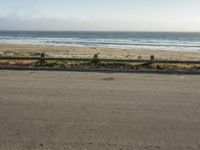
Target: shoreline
[
  {"x": 89, "y": 52},
  {"x": 123, "y": 47}
]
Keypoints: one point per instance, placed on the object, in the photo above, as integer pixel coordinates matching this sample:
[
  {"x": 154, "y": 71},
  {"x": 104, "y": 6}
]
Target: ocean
[{"x": 175, "y": 41}]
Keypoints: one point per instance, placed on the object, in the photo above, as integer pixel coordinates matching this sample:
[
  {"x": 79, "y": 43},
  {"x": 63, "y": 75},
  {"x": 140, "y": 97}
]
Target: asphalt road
[{"x": 98, "y": 111}]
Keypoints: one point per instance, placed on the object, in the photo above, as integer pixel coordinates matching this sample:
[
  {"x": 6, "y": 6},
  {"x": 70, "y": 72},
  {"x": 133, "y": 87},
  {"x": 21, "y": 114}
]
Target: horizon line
[{"x": 97, "y": 31}]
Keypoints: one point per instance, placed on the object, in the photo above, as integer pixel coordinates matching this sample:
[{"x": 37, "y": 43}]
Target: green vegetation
[
  {"x": 96, "y": 64},
  {"x": 118, "y": 65},
  {"x": 51, "y": 63}
]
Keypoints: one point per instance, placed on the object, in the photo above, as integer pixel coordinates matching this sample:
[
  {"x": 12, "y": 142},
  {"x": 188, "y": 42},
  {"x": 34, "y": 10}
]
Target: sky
[{"x": 100, "y": 15}]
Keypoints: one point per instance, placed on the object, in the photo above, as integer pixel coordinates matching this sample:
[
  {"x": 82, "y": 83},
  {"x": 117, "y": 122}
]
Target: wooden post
[
  {"x": 139, "y": 57},
  {"x": 42, "y": 58},
  {"x": 152, "y": 58}
]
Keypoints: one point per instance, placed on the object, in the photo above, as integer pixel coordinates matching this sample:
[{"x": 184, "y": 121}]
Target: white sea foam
[{"x": 154, "y": 41}]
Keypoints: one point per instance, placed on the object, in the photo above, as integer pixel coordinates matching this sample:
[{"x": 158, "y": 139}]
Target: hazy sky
[{"x": 117, "y": 15}]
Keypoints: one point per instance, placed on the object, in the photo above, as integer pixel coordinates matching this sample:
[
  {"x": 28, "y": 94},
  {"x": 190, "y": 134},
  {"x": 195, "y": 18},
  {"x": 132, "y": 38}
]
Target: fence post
[
  {"x": 152, "y": 58},
  {"x": 42, "y": 58}
]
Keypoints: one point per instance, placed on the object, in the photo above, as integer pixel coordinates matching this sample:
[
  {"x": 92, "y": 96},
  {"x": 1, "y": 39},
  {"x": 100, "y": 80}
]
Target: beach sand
[{"x": 88, "y": 52}]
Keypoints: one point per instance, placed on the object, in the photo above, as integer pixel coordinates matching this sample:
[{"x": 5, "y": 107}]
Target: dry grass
[{"x": 17, "y": 63}]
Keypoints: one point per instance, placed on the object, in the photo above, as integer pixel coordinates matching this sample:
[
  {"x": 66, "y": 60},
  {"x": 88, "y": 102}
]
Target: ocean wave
[{"x": 181, "y": 43}]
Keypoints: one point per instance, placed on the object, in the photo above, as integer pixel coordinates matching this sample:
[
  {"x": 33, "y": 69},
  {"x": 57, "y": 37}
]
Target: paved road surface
[{"x": 97, "y": 111}]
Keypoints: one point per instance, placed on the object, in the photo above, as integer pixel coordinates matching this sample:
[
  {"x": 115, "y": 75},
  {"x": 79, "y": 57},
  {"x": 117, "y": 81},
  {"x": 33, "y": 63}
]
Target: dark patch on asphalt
[
  {"x": 18, "y": 134},
  {"x": 108, "y": 79}
]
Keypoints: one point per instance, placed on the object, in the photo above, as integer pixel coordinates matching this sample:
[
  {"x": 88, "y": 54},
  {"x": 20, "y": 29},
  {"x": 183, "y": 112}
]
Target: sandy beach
[{"x": 88, "y": 52}]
